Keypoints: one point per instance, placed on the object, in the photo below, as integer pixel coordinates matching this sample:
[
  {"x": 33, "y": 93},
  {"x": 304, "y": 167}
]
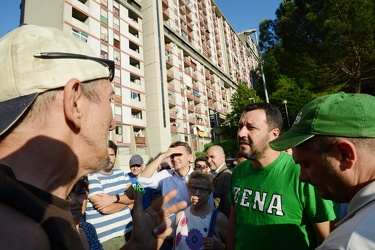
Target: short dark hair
[
  {"x": 113, "y": 146},
  {"x": 200, "y": 158},
  {"x": 182, "y": 144},
  {"x": 81, "y": 184},
  {"x": 199, "y": 175},
  {"x": 273, "y": 114}
]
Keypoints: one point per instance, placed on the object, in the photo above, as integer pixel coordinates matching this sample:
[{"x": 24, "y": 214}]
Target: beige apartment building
[{"x": 177, "y": 64}]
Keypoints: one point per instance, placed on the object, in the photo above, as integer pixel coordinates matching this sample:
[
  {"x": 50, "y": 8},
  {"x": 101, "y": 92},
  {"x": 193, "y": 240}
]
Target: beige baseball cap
[{"x": 36, "y": 59}]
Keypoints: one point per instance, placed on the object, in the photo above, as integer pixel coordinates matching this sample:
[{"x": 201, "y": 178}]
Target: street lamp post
[
  {"x": 286, "y": 111},
  {"x": 259, "y": 58}
]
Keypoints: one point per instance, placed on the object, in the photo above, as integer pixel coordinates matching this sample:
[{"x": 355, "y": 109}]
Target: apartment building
[{"x": 177, "y": 64}]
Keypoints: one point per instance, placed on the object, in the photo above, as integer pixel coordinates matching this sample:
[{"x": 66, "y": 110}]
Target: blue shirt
[
  {"x": 145, "y": 191},
  {"x": 167, "y": 180}
]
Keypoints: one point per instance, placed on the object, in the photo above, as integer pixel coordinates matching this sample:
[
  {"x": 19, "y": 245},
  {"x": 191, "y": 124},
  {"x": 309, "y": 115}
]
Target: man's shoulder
[
  {"x": 286, "y": 160},
  {"x": 18, "y": 231},
  {"x": 118, "y": 171},
  {"x": 224, "y": 173}
]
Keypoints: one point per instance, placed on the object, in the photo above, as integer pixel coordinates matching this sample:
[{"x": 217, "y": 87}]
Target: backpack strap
[{"x": 212, "y": 223}]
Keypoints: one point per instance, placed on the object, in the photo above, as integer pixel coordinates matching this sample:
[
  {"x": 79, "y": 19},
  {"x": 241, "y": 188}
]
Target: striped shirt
[{"x": 108, "y": 226}]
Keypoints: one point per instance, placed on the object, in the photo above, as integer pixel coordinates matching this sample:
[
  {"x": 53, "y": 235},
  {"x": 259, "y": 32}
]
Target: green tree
[
  {"x": 238, "y": 101},
  {"x": 328, "y": 44},
  {"x": 295, "y": 94}
]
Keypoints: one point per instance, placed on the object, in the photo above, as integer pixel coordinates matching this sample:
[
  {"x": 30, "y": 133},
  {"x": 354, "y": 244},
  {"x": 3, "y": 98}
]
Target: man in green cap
[{"x": 333, "y": 140}]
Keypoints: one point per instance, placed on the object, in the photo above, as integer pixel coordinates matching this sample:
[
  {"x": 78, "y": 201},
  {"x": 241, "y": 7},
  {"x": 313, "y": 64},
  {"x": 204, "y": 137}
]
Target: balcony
[
  {"x": 173, "y": 115},
  {"x": 174, "y": 129},
  {"x": 168, "y": 48},
  {"x": 190, "y": 96},
  {"x": 171, "y": 86},
  {"x": 140, "y": 140}
]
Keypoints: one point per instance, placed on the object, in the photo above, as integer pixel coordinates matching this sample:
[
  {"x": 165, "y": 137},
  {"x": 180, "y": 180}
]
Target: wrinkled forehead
[
  {"x": 201, "y": 162},
  {"x": 181, "y": 150},
  {"x": 200, "y": 182},
  {"x": 257, "y": 116}
]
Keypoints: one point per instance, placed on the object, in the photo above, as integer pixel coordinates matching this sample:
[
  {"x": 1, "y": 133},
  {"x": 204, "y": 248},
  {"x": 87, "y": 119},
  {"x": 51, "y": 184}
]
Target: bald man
[{"x": 221, "y": 177}]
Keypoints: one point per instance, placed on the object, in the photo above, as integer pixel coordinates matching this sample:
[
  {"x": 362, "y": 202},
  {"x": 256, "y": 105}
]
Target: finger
[
  {"x": 173, "y": 209},
  {"x": 159, "y": 203},
  {"x": 163, "y": 229},
  {"x": 130, "y": 192},
  {"x": 138, "y": 206}
]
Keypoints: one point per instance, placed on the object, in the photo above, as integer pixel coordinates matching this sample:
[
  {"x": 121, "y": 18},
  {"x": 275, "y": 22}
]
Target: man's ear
[
  {"x": 190, "y": 157},
  {"x": 73, "y": 102},
  {"x": 347, "y": 152},
  {"x": 275, "y": 133}
]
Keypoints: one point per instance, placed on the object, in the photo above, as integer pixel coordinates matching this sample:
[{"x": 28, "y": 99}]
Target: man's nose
[
  {"x": 303, "y": 176},
  {"x": 242, "y": 132}
]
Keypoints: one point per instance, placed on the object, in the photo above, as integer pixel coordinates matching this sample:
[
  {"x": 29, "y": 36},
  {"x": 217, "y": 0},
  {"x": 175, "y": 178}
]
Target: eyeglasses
[
  {"x": 201, "y": 166},
  {"x": 138, "y": 166},
  {"x": 59, "y": 55},
  {"x": 202, "y": 190}
]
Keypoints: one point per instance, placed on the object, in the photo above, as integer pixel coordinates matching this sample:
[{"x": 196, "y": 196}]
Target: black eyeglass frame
[
  {"x": 201, "y": 166},
  {"x": 202, "y": 190},
  {"x": 62, "y": 55}
]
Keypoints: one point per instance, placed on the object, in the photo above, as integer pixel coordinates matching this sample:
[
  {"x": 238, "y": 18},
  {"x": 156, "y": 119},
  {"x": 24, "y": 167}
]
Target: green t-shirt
[{"x": 274, "y": 210}]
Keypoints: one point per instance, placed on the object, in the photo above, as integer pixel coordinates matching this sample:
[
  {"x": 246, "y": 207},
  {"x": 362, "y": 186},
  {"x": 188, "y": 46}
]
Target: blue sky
[
  {"x": 247, "y": 14},
  {"x": 241, "y": 14},
  {"x": 9, "y": 15}
]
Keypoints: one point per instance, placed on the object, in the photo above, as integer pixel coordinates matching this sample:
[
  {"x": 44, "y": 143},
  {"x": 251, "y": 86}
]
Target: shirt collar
[{"x": 220, "y": 168}]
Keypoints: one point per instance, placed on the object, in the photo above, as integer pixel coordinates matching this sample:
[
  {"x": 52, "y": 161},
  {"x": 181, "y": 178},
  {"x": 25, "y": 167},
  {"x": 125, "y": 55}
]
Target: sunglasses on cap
[{"x": 60, "y": 55}]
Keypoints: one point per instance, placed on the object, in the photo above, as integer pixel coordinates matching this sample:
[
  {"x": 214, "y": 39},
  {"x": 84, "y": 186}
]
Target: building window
[
  {"x": 104, "y": 3},
  {"x": 104, "y": 33},
  {"x": 104, "y": 16},
  {"x": 116, "y": 40},
  {"x": 116, "y": 11},
  {"x": 117, "y": 57},
  {"x": 136, "y": 114},
  {"x": 119, "y": 130},
  {"x": 76, "y": 14},
  {"x": 135, "y": 95},
  {"x": 116, "y": 24}
]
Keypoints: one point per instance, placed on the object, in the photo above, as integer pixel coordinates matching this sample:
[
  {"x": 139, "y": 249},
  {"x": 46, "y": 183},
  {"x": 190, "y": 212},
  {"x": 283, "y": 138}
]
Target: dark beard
[
  {"x": 106, "y": 167},
  {"x": 258, "y": 152}
]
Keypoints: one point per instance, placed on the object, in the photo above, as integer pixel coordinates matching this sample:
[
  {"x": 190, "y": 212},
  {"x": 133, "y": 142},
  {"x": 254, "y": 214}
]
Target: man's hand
[
  {"x": 151, "y": 226},
  {"x": 172, "y": 151},
  {"x": 102, "y": 200}
]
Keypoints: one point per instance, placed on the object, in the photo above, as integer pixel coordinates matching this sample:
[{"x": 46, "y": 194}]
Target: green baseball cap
[{"x": 340, "y": 114}]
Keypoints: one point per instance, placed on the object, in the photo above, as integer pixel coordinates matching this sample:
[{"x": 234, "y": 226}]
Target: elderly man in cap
[
  {"x": 55, "y": 109},
  {"x": 333, "y": 140},
  {"x": 136, "y": 166}
]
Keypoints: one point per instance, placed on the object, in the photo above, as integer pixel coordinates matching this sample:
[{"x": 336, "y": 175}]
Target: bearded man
[{"x": 270, "y": 207}]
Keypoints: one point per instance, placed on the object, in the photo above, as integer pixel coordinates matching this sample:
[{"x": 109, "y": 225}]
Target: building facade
[{"x": 177, "y": 64}]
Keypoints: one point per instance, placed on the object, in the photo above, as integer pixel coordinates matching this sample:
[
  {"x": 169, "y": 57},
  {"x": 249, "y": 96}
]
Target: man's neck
[
  {"x": 269, "y": 157},
  {"x": 220, "y": 168},
  {"x": 183, "y": 171},
  {"x": 133, "y": 175},
  {"x": 106, "y": 171}
]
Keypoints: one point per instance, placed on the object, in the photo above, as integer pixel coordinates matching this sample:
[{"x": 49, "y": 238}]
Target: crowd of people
[{"x": 59, "y": 188}]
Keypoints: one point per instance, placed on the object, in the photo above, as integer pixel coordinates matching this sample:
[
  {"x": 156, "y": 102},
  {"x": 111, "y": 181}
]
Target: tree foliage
[
  {"x": 238, "y": 101},
  {"x": 323, "y": 45}
]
